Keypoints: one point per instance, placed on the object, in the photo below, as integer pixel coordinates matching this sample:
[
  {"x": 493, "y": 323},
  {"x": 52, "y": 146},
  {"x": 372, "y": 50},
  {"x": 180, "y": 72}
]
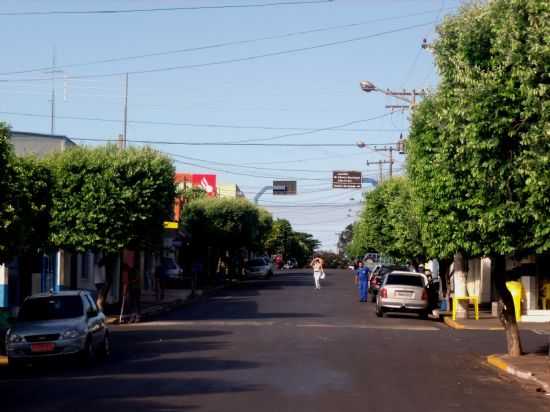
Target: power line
[
  {"x": 204, "y": 125},
  {"x": 229, "y": 61},
  {"x": 184, "y": 143},
  {"x": 222, "y": 44},
  {"x": 161, "y": 9}
]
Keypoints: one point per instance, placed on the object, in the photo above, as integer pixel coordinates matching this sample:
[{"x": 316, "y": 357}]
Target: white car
[
  {"x": 258, "y": 268},
  {"x": 403, "y": 292}
]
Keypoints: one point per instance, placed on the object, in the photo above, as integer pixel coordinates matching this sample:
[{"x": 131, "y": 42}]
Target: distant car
[
  {"x": 291, "y": 264},
  {"x": 58, "y": 324},
  {"x": 403, "y": 292},
  {"x": 377, "y": 275},
  {"x": 258, "y": 268}
]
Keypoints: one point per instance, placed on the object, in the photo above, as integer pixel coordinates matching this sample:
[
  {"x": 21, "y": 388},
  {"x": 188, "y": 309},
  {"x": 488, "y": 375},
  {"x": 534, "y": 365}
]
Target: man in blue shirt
[{"x": 362, "y": 280}]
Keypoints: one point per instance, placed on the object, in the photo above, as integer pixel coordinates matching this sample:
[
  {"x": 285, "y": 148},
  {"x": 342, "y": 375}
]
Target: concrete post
[{"x": 3, "y": 286}]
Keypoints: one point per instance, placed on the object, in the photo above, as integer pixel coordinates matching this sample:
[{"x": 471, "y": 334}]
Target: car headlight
[
  {"x": 71, "y": 334},
  {"x": 14, "y": 338}
]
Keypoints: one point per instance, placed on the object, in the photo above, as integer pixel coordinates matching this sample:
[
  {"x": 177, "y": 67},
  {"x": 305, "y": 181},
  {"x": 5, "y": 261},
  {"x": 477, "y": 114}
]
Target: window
[
  {"x": 408, "y": 280},
  {"x": 51, "y": 308},
  {"x": 91, "y": 303}
]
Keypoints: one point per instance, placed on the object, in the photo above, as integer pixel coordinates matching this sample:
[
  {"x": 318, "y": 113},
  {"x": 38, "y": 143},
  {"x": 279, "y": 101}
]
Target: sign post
[
  {"x": 346, "y": 180},
  {"x": 284, "y": 187}
]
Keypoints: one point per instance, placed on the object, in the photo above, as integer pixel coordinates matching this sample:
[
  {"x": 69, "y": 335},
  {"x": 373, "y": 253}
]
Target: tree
[
  {"x": 277, "y": 242},
  {"x": 25, "y": 202},
  {"x": 227, "y": 225},
  {"x": 479, "y": 147},
  {"x": 389, "y": 223},
  {"x": 105, "y": 200}
]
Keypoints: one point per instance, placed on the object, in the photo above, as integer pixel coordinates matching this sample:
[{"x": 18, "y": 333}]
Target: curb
[
  {"x": 497, "y": 362},
  {"x": 460, "y": 326},
  {"x": 452, "y": 323},
  {"x": 169, "y": 306}
]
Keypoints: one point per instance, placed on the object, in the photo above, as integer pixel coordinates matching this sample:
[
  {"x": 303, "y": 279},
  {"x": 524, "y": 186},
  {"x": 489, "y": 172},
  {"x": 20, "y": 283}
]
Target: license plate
[
  {"x": 404, "y": 294},
  {"x": 42, "y": 347}
]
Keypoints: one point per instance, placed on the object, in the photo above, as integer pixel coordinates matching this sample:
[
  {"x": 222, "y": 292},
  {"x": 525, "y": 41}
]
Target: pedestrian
[
  {"x": 318, "y": 271},
  {"x": 432, "y": 290},
  {"x": 362, "y": 280},
  {"x": 134, "y": 294}
]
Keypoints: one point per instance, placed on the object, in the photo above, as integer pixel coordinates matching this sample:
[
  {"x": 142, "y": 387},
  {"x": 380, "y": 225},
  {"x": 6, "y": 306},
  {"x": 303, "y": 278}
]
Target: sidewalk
[
  {"x": 487, "y": 322},
  {"x": 534, "y": 367},
  {"x": 150, "y": 306}
]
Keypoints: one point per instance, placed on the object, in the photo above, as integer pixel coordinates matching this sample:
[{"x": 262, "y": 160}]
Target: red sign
[{"x": 205, "y": 182}]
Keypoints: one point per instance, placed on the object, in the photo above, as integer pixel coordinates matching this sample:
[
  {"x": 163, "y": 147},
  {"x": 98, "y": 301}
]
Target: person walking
[
  {"x": 362, "y": 280},
  {"x": 318, "y": 271}
]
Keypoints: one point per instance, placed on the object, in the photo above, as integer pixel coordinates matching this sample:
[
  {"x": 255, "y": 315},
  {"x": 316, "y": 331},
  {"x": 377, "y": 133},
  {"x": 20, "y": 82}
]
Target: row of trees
[
  {"x": 478, "y": 151},
  {"x": 233, "y": 228},
  {"x": 83, "y": 199}
]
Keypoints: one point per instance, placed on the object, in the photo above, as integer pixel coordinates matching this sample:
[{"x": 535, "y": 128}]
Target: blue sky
[{"x": 256, "y": 98}]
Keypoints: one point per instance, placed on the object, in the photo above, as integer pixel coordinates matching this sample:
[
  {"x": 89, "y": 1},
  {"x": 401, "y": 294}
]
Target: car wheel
[
  {"x": 105, "y": 349},
  {"x": 87, "y": 353}
]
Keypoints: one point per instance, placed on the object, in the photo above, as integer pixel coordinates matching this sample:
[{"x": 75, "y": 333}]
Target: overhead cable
[
  {"x": 160, "y": 9},
  {"x": 217, "y": 45},
  {"x": 225, "y": 61}
]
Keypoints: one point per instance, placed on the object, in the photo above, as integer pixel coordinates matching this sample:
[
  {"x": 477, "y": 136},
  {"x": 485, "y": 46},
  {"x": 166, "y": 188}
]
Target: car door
[{"x": 96, "y": 325}]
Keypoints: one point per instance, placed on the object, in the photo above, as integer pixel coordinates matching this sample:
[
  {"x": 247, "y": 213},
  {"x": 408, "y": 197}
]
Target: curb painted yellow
[
  {"x": 497, "y": 362},
  {"x": 453, "y": 323}
]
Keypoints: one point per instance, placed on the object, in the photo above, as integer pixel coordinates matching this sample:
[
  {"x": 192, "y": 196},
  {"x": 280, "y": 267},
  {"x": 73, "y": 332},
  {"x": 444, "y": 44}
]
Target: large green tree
[
  {"x": 7, "y": 190},
  {"x": 480, "y": 146},
  {"x": 106, "y": 199}
]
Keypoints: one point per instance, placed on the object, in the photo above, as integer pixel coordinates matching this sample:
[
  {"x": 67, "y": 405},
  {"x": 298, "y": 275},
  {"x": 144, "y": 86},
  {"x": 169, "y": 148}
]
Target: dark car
[{"x": 377, "y": 276}]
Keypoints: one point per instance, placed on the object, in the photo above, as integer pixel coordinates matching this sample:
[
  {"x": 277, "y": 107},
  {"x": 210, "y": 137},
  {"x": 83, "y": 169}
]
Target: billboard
[
  {"x": 284, "y": 187},
  {"x": 346, "y": 179},
  {"x": 205, "y": 182}
]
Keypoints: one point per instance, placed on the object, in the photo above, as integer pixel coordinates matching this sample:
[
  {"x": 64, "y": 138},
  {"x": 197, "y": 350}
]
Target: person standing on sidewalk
[
  {"x": 362, "y": 280},
  {"x": 318, "y": 271}
]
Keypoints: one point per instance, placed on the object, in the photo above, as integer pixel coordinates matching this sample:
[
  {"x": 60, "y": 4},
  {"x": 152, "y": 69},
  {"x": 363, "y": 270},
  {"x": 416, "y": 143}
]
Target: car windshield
[
  {"x": 256, "y": 262},
  {"x": 409, "y": 280},
  {"x": 51, "y": 308}
]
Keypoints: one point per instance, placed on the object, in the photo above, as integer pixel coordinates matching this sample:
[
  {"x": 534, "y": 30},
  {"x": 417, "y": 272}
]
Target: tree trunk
[
  {"x": 506, "y": 309},
  {"x": 109, "y": 263}
]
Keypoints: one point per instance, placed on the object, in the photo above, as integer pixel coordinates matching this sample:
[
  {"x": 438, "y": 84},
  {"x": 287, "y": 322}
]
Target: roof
[{"x": 16, "y": 134}]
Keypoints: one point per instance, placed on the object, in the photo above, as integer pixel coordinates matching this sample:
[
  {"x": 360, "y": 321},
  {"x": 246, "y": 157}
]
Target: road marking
[
  {"x": 363, "y": 326},
  {"x": 260, "y": 323}
]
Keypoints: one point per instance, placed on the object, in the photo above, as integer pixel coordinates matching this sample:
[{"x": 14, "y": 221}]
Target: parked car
[
  {"x": 403, "y": 292},
  {"x": 258, "y": 268},
  {"x": 58, "y": 324},
  {"x": 377, "y": 275},
  {"x": 291, "y": 264}
]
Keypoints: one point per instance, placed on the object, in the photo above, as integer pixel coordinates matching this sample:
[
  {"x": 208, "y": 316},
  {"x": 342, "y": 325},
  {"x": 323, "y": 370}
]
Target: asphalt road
[{"x": 280, "y": 345}]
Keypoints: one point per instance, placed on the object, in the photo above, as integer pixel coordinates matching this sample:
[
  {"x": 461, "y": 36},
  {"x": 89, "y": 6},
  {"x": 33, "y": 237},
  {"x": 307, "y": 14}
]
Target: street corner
[
  {"x": 532, "y": 368},
  {"x": 487, "y": 324}
]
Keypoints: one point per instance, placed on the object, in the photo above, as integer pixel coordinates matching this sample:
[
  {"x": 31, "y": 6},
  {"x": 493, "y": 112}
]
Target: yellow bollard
[{"x": 516, "y": 288}]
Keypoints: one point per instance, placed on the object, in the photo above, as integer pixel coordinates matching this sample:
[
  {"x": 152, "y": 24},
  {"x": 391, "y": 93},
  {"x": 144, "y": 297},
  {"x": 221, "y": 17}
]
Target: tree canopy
[
  {"x": 105, "y": 199},
  {"x": 389, "y": 223}
]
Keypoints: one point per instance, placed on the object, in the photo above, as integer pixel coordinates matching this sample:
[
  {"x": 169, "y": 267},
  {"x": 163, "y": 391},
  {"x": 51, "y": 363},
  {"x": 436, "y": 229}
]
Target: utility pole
[
  {"x": 52, "y": 125},
  {"x": 125, "y": 128},
  {"x": 407, "y": 96},
  {"x": 380, "y": 164}
]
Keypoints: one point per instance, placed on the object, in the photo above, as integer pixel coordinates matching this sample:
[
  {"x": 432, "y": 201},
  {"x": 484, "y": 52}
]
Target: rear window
[
  {"x": 409, "y": 280},
  {"x": 256, "y": 262},
  {"x": 51, "y": 308}
]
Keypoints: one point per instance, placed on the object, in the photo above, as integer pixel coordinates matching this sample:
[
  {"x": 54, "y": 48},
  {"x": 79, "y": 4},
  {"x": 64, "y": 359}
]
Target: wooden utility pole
[
  {"x": 409, "y": 97},
  {"x": 380, "y": 164}
]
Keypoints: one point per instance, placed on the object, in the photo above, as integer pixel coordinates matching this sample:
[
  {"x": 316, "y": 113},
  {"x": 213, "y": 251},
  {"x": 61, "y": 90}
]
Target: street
[{"x": 280, "y": 345}]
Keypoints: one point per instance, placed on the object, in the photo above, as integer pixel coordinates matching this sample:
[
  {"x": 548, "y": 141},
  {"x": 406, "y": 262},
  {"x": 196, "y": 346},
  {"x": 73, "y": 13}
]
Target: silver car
[
  {"x": 403, "y": 292},
  {"x": 56, "y": 324},
  {"x": 258, "y": 268}
]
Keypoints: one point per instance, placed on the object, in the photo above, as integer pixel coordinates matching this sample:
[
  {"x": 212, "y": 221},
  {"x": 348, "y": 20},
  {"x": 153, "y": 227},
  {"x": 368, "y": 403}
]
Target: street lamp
[{"x": 367, "y": 86}]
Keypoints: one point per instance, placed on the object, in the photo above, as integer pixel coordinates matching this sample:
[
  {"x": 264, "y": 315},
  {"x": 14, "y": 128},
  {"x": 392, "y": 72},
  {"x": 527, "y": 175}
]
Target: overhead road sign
[
  {"x": 284, "y": 187},
  {"x": 346, "y": 179}
]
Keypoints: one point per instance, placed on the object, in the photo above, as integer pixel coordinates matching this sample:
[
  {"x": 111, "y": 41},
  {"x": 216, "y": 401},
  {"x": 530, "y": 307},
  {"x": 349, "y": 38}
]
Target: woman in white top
[{"x": 318, "y": 272}]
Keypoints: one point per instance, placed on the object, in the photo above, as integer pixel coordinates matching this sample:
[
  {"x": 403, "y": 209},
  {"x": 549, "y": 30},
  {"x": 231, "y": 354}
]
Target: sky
[{"x": 276, "y": 73}]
